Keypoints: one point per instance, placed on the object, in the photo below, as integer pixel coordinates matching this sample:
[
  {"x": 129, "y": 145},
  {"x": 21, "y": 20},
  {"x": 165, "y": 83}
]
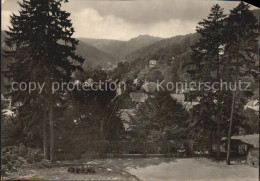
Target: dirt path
[
  {"x": 148, "y": 169},
  {"x": 195, "y": 169},
  {"x": 61, "y": 173}
]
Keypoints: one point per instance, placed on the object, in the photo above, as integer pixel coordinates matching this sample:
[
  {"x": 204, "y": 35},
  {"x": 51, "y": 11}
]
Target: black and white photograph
[{"x": 130, "y": 90}]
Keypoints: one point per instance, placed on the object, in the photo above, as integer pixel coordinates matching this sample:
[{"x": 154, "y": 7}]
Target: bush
[
  {"x": 9, "y": 166},
  {"x": 14, "y": 157},
  {"x": 29, "y": 158},
  {"x": 46, "y": 164},
  {"x": 253, "y": 158},
  {"x": 4, "y": 160},
  {"x": 22, "y": 150},
  {"x": 14, "y": 150},
  {"x": 3, "y": 170},
  {"x": 4, "y": 150},
  {"x": 34, "y": 155},
  {"x": 17, "y": 164},
  {"x": 252, "y": 122},
  {"x": 21, "y": 160},
  {"x": 8, "y": 156}
]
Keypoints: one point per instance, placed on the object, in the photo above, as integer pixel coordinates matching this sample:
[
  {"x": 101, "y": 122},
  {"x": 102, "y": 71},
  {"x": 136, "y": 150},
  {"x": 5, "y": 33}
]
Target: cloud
[
  {"x": 127, "y": 19},
  {"x": 150, "y": 11},
  {"x": 5, "y": 19},
  {"x": 90, "y": 23}
]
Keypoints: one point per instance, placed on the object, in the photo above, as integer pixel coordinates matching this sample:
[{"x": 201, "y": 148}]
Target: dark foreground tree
[
  {"x": 206, "y": 66},
  {"x": 241, "y": 54},
  {"x": 41, "y": 50},
  {"x": 90, "y": 117},
  {"x": 159, "y": 118}
]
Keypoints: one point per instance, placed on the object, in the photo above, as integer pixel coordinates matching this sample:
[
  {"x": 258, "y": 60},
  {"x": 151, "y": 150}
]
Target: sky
[{"x": 126, "y": 19}]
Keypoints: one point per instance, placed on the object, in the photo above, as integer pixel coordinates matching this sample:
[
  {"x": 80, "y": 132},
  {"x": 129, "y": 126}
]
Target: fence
[{"x": 121, "y": 148}]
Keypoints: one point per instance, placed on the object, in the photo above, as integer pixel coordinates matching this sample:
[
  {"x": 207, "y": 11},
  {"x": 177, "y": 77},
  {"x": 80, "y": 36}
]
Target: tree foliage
[{"x": 159, "y": 118}]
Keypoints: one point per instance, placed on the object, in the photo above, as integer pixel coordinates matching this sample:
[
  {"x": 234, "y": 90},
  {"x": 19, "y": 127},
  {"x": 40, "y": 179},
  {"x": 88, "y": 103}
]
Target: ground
[
  {"x": 152, "y": 169},
  {"x": 196, "y": 169}
]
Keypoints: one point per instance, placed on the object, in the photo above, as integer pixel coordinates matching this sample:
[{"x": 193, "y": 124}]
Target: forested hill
[
  {"x": 256, "y": 12},
  {"x": 93, "y": 56},
  {"x": 165, "y": 50},
  {"x": 120, "y": 49}
]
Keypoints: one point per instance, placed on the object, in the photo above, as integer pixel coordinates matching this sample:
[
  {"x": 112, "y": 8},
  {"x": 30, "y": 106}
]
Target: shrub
[
  {"x": 17, "y": 164},
  {"x": 34, "y": 155},
  {"x": 253, "y": 158},
  {"x": 8, "y": 156},
  {"x": 14, "y": 157},
  {"x": 14, "y": 150},
  {"x": 22, "y": 150},
  {"x": 4, "y": 160},
  {"x": 29, "y": 158},
  {"x": 9, "y": 166},
  {"x": 5, "y": 149},
  {"x": 38, "y": 156}
]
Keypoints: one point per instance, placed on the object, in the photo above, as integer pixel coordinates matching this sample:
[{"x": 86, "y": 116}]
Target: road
[
  {"x": 148, "y": 169},
  {"x": 195, "y": 169}
]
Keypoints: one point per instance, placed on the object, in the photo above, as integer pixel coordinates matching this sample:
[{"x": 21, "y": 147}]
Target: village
[
  {"x": 153, "y": 151},
  {"x": 130, "y": 90}
]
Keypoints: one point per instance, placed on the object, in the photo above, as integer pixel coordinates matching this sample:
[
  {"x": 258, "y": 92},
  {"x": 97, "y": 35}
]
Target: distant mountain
[
  {"x": 256, "y": 12},
  {"x": 177, "y": 48},
  {"x": 93, "y": 56},
  {"x": 171, "y": 52},
  {"x": 164, "y": 47},
  {"x": 120, "y": 49},
  {"x": 106, "y": 45}
]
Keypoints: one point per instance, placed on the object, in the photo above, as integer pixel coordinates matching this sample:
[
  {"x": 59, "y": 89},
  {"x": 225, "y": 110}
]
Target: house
[
  {"x": 253, "y": 104},
  {"x": 6, "y": 102},
  {"x": 7, "y": 108},
  {"x": 252, "y": 139},
  {"x": 152, "y": 64},
  {"x": 242, "y": 145},
  {"x": 149, "y": 87},
  {"x": 109, "y": 68},
  {"x": 190, "y": 105},
  {"x": 138, "y": 97},
  {"x": 238, "y": 148},
  {"x": 181, "y": 99}
]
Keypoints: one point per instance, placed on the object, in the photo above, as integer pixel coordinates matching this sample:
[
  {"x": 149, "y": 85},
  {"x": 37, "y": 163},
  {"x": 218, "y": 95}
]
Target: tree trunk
[
  {"x": 210, "y": 142},
  {"x": 232, "y": 111},
  {"x": 218, "y": 136},
  {"x": 218, "y": 107},
  {"x": 45, "y": 150},
  {"x": 102, "y": 129},
  {"x": 230, "y": 128},
  {"x": 51, "y": 128}
]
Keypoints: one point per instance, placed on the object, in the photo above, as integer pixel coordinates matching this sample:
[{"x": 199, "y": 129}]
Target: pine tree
[
  {"x": 241, "y": 54},
  {"x": 92, "y": 111},
  {"x": 159, "y": 118},
  {"x": 206, "y": 66},
  {"x": 42, "y": 50}
]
